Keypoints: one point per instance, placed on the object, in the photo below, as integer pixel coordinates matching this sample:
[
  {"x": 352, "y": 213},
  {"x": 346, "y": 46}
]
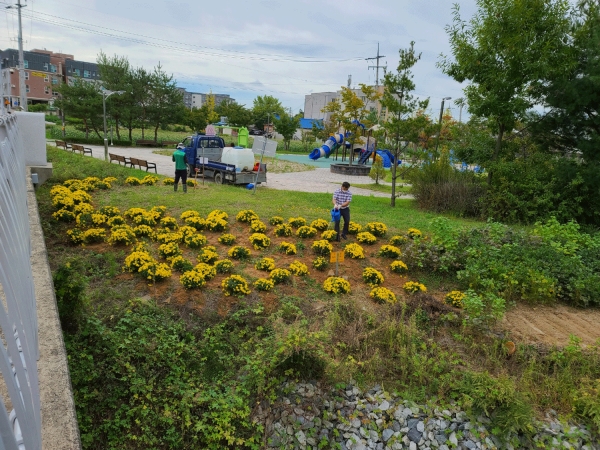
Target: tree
[
  {"x": 264, "y": 108},
  {"x": 208, "y": 109},
  {"x": 165, "y": 101},
  {"x": 286, "y": 125},
  {"x": 377, "y": 171},
  {"x": 506, "y": 52},
  {"x": 195, "y": 119},
  {"x": 350, "y": 113},
  {"x": 82, "y": 100},
  {"x": 115, "y": 73},
  {"x": 405, "y": 123},
  {"x": 237, "y": 115}
]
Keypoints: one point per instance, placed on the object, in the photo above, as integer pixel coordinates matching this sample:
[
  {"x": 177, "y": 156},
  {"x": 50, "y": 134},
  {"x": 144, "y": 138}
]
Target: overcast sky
[{"x": 247, "y": 48}]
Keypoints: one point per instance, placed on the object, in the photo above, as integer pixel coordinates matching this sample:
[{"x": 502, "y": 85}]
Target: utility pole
[
  {"x": 349, "y": 81},
  {"x": 376, "y": 67},
  {"x": 22, "y": 92}
]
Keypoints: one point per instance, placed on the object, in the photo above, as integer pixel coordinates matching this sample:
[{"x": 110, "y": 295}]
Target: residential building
[
  {"x": 44, "y": 70},
  {"x": 315, "y": 103},
  {"x": 196, "y": 99}
]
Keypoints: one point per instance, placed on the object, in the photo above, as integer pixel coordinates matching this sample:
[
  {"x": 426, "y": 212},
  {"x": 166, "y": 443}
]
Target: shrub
[
  {"x": 320, "y": 224},
  {"x": 372, "y": 277},
  {"x": 329, "y": 235},
  {"x": 354, "y": 228},
  {"x": 398, "y": 267},
  {"x": 257, "y": 226},
  {"x": 94, "y": 235},
  {"x": 266, "y": 264},
  {"x": 283, "y": 230},
  {"x": 110, "y": 211},
  {"x": 276, "y": 220},
  {"x": 143, "y": 231},
  {"x": 196, "y": 222},
  {"x": 287, "y": 248},
  {"x": 246, "y": 216},
  {"x": 336, "y": 285},
  {"x": 169, "y": 250},
  {"x": 115, "y": 220},
  {"x": 166, "y": 238},
  {"x": 169, "y": 181},
  {"x": 455, "y": 298},
  {"x": 412, "y": 286},
  {"x": 235, "y": 285},
  {"x": 149, "y": 180},
  {"x": 383, "y": 295},
  {"x": 208, "y": 256},
  {"x": 215, "y": 224},
  {"x": 207, "y": 271},
  {"x": 75, "y": 235},
  {"x": 297, "y": 222},
  {"x": 414, "y": 233},
  {"x": 322, "y": 247},
  {"x": 133, "y": 181},
  {"x": 168, "y": 222},
  {"x": 227, "y": 239},
  {"x": 238, "y": 252},
  {"x": 376, "y": 228},
  {"x": 69, "y": 286},
  {"x": 189, "y": 213},
  {"x": 83, "y": 208},
  {"x": 180, "y": 264},
  {"x": 263, "y": 284},
  {"x": 218, "y": 214},
  {"x": 280, "y": 275},
  {"x": 389, "y": 251},
  {"x": 366, "y": 238},
  {"x": 187, "y": 231},
  {"x": 154, "y": 271},
  {"x": 64, "y": 215},
  {"x": 259, "y": 241},
  {"x": 298, "y": 268},
  {"x": 146, "y": 218},
  {"x": 354, "y": 251},
  {"x": 306, "y": 232},
  {"x": 223, "y": 266},
  {"x": 191, "y": 182},
  {"x": 192, "y": 279},
  {"x": 137, "y": 259},
  {"x": 123, "y": 235},
  {"x": 482, "y": 310},
  {"x": 398, "y": 240},
  {"x": 194, "y": 240},
  {"x": 320, "y": 263}
]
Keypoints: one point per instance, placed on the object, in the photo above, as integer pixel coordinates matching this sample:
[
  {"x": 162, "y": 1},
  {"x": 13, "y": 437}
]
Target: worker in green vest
[{"x": 180, "y": 169}]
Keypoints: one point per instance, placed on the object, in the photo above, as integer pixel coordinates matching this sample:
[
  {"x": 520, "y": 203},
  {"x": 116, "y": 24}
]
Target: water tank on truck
[{"x": 241, "y": 158}]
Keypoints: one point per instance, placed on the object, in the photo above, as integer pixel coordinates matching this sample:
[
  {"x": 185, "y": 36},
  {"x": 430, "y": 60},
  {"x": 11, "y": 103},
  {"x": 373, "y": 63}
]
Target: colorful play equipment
[
  {"x": 325, "y": 150},
  {"x": 363, "y": 144}
]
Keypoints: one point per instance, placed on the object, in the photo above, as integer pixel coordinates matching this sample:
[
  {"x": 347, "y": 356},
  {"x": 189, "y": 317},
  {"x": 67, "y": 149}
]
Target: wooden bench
[
  {"x": 120, "y": 159},
  {"x": 142, "y": 163},
  {"x": 62, "y": 144},
  {"x": 80, "y": 148},
  {"x": 147, "y": 142},
  {"x": 164, "y": 143}
]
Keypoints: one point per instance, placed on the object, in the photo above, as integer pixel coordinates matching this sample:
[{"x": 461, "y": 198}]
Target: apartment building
[
  {"x": 196, "y": 99},
  {"x": 44, "y": 70},
  {"x": 315, "y": 102}
]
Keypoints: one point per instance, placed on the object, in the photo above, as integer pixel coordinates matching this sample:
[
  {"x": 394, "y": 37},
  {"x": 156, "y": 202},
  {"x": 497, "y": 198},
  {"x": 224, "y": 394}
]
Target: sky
[{"x": 246, "y": 48}]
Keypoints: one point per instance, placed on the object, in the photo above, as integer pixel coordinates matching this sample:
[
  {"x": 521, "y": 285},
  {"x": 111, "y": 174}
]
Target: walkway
[{"x": 318, "y": 180}]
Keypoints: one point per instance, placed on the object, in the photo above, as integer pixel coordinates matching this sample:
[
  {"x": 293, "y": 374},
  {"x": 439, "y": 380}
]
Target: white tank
[{"x": 241, "y": 158}]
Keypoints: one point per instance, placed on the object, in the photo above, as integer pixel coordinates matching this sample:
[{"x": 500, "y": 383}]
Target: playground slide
[{"x": 326, "y": 149}]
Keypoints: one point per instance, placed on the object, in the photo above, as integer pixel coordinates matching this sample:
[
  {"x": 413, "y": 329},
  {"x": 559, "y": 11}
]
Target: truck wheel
[
  {"x": 190, "y": 170},
  {"x": 218, "y": 178}
]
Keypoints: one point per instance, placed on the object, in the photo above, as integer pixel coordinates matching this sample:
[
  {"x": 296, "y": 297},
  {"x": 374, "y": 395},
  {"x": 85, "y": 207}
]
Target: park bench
[
  {"x": 80, "y": 148},
  {"x": 62, "y": 144},
  {"x": 143, "y": 163},
  {"x": 120, "y": 159},
  {"x": 164, "y": 143},
  {"x": 147, "y": 142}
]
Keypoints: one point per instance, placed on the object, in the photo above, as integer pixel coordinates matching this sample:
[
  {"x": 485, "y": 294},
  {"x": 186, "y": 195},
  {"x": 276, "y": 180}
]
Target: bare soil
[{"x": 552, "y": 325}]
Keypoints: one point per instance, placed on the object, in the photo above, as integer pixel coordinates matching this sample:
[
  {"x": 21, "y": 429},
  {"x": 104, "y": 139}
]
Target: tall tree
[
  {"x": 506, "y": 52},
  {"x": 142, "y": 84},
  {"x": 208, "y": 109},
  {"x": 264, "y": 108},
  {"x": 237, "y": 115},
  {"x": 195, "y": 119},
  {"x": 81, "y": 99},
  {"x": 404, "y": 124},
  {"x": 287, "y": 125},
  {"x": 115, "y": 73},
  {"x": 165, "y": 101}
]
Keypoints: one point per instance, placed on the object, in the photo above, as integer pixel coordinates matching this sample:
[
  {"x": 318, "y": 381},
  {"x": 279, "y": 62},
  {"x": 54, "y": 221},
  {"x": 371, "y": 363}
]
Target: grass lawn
[{"x": 384, "y": 188}]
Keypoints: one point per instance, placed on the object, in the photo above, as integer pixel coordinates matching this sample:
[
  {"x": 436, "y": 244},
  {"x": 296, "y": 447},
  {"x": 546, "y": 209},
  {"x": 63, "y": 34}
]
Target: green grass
[{"x": 383, "y": 188}]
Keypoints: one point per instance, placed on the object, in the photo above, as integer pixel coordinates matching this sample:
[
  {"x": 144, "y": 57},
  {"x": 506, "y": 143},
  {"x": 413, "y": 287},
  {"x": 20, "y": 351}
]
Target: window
[
  {"x": 46, "y": 79},
  {"x": 54, "y": 80},
  {"x": 52, "y": 68},
  {"x": 46, "y": 67},
  {"x": 26, "y": 88},
  {"x": 26, "y": 64},
  {"x": 54, "y": 94},
  {"x": 26, "y": 75},
  {"x": 46, "y": 90},
  {"x": 86, "y": 74},
  {"x": 77, "y": 72}
]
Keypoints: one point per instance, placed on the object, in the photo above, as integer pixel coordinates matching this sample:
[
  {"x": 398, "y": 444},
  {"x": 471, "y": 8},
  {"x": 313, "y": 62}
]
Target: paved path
[{"x": 318, "y": 180}]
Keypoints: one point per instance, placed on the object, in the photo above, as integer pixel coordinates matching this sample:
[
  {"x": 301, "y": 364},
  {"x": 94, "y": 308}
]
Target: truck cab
[{"x": 201, "y": 146}]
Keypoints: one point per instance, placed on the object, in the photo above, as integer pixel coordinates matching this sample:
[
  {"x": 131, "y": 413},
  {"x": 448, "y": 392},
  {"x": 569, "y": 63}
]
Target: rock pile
[{"x": 307, "y": 416}]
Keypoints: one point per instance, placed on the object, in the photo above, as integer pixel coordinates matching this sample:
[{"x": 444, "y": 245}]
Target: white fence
[{"x": 18, "y": 320}]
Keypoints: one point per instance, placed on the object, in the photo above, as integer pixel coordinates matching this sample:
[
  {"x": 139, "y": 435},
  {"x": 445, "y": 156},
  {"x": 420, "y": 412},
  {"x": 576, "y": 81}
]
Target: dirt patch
[{"x": 552, "y": 325}]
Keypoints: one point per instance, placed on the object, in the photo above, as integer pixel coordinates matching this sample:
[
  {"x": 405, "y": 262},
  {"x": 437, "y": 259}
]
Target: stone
[
  {"x": 311, "y": 441},
  {"x": 470, "y": 444},
  {"x": 396, "y": 426},
  {"x": 301, "y": 437},
  {"x": 412, "y": 446},
  {"x": 373, "y": 435},
  {"x": 453, "y": 440},
  {"x": 414, "y": 435},
  {"x": 385, "y": 405},
  {"x": 412, "y": 423},
  {"x": 387, "y": 434},
  {"x": 420, "y": 427},
  {"x": 441, "y": 438},
  {"x": 443, "y": 425},
  {"x": 356, "y": 423}
]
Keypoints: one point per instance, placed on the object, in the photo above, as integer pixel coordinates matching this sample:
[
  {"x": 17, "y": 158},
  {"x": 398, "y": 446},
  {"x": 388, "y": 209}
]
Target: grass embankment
[{"x": 183, "y": 368}]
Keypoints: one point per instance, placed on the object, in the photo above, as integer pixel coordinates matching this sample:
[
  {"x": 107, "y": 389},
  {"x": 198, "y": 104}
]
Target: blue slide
[{"x": 325, "y": 150}]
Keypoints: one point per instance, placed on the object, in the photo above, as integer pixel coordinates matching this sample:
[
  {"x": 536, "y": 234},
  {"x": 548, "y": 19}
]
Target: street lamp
[
  {"x": 437, "y": 141},
  {"x": 105, "y": 94}
]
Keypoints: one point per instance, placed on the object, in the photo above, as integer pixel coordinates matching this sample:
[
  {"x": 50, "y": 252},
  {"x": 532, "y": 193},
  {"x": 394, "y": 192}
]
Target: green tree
[
  {"x": 166, "y": 100},
  {"x": 237, "y": 115},
  {"x": 141, "y": 89},
  {"x": 82, "y": 100},
  {"x": 286, "y": 125},
  {"x": 506, "y": 52},
  {"x": 377, "y": 171},
  {"x": 404, "y": 123},
  {"x": 263, "y": 108},
  {"x": 351, "y": 114},
  {"x": 116, "y": 75},
  {"x": 208, "y": 109},
  {"x": 195, "y": 119}
]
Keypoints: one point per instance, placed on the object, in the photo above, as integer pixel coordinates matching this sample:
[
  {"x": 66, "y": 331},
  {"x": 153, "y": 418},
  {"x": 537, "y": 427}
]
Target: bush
[
  {"x": 320, "y": 224},
  {"x": 180, "y": 264},
  {"x": 280, "y": 275},
  {"x": 276, "y": 220},
  {"x": 263, "y": 284},
  {"x": 266, "y": 264},
  {"x": 455, "y": 298},
  {"x": 238, "y": 252},
  {"x": 354, "y": 251},
  {"x": 69, "y": 286},
  {"x": 322, "y": 247},
  {"x": 366, "y": 238},
  {"x": 336, "y": 285},
  {"x": 297, "y": 222},
  {"x": 207, "y": 271},
  {"x": 283, "y": 230},
  {"x": 227, "y": 239},
  {"x": 298, "y": 268},
  {"x": 223, "y": 266},
  {"x": 259, "y": 241},
  {"x": 235, "y": 285},
  {"x": 372, "y": 277},
  {"x": 389, "y": 251},
  {"x": 412, "y": 287},
  {"x": 383, "y": 295},
  {"x": 287, "y": 248},
  {"x": 257, "y": 226},
  {"x": 320, "y": 263},
  {"x": 354, "y": 228},
  {"x": 192, "y": 279},
  {"x": 306, "y": 232},
  {"x": 378, "y": 229},
  {"x": 398, "y": 267},
  {"x": 208, "y": 256},
  {"x": 246, "y": 216}
]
